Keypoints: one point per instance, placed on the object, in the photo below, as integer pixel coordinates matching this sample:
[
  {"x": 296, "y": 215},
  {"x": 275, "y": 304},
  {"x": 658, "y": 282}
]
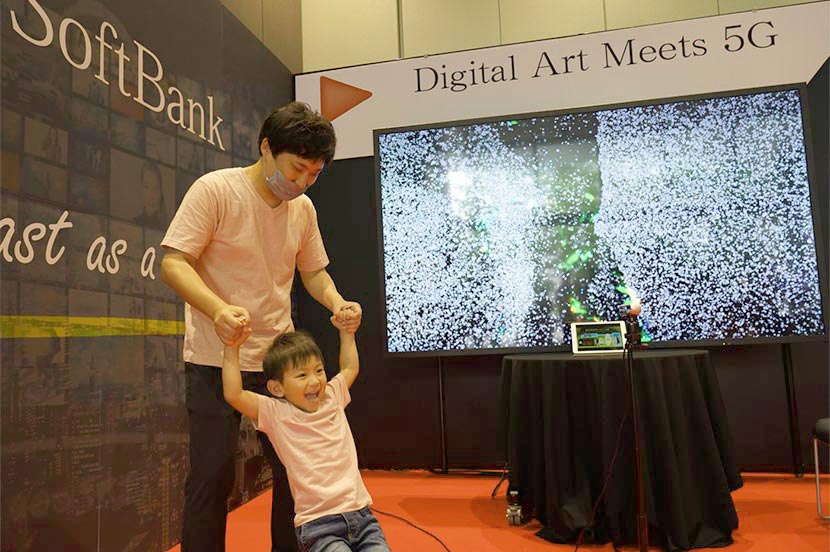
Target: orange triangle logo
[{"x": 337, "y": 97}]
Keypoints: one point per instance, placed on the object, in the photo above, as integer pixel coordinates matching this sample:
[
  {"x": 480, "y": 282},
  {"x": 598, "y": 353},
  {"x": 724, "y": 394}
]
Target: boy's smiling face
[{"x": 303, "y": 385}]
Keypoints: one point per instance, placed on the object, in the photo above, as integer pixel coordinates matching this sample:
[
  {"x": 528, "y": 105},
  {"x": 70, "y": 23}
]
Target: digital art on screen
[{"x": 497, "y": 235}]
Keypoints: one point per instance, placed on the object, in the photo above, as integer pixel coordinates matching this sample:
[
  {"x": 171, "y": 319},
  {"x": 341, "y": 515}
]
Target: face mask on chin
[{"x": 280, "y": 186}]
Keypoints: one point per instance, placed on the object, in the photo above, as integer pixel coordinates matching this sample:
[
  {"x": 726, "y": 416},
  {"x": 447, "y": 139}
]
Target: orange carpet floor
[{"x": 777, "y": 513}]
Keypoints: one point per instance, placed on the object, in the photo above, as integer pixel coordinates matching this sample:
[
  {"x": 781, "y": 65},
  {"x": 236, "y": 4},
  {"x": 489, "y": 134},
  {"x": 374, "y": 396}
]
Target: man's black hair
[{"x": 298, "y": 129}]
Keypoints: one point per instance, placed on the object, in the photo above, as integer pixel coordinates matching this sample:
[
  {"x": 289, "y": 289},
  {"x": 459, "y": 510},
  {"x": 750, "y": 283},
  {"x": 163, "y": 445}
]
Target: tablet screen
[{"x": 598, "y": 337}]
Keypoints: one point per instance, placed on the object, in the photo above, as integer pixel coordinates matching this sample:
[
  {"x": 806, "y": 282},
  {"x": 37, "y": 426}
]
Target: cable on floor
[
  {"x": 465, "y": 472},
  {"x": 502, "y": 479},
  {"x": 413, "y": 525}
]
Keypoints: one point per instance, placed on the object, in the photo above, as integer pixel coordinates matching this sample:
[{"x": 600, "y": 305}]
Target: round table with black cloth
[{"x": 561, "y": 418}]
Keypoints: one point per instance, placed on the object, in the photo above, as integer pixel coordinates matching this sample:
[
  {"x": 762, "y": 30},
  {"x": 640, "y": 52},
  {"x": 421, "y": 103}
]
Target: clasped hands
[{"x": 232, "y": 323}]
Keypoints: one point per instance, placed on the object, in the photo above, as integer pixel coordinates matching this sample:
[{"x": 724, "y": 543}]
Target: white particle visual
[{"x": 497, "y": 235}]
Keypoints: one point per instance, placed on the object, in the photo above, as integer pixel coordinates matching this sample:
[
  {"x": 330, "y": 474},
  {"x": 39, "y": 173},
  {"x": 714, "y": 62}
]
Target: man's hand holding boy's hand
[
  {"x": 347, "y": 316},
  {"x": 231, "y": 325}
]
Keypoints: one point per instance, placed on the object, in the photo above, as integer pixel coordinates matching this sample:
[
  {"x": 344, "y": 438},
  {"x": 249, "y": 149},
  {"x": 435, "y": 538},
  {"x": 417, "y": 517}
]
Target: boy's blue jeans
[{"x": 357, "y": 531}]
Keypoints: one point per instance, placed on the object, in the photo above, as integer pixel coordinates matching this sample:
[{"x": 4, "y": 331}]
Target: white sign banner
[{"x": 730, "y": 52}]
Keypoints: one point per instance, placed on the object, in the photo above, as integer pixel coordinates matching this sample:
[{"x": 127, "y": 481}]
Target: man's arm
[
  {"x": 349, "y": 360},
  {"x": 243, "y": 401},
  {"x": 321, "y": 287},
  {"x": 178, "y": 271}
]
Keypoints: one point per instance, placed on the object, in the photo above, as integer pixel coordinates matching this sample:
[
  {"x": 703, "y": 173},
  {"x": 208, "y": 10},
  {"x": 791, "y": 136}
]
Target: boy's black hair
[
  {"x": 298, "y": 129},
  {"x": 287, "y": 350}
]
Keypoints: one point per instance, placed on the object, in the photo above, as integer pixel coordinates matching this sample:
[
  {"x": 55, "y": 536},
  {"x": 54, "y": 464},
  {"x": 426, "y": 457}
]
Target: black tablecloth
[{"x": 561, "y": 418}]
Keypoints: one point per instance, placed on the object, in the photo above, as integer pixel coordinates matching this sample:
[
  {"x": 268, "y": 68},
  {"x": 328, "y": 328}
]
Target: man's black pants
[{"x": 214, "y": 430}]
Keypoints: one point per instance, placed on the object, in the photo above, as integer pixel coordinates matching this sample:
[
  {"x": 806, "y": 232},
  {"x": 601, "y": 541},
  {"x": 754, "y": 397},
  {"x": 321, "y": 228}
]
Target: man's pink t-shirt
[
  {"x": 246, "y": 253},
  {"x": 318, "y": 452}
]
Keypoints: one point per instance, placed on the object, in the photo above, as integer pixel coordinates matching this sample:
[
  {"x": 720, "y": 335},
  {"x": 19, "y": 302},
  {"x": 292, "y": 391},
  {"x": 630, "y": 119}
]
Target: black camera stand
[{"x": 632, "y": 343}]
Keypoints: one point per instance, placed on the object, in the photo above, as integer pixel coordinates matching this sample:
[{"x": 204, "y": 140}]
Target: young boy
[{"x": 306, "y": 422}]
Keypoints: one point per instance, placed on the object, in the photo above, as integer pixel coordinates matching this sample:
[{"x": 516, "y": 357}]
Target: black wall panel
[{"x": 471, "y": 390}]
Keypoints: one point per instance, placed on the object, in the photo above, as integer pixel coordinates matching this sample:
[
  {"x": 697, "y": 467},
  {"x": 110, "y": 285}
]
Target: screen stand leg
[
  {"x": 442, "y": 414},
  {"x": 792, "y": 410}
]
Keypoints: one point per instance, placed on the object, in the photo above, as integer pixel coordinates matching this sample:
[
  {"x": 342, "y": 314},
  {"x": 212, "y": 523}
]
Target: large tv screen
[{"x": 496, "y": 235}]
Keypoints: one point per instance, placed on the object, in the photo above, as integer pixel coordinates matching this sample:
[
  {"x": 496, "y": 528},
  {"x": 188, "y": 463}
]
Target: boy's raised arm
[
  {"x": 349, "y": 361},
  {"x": 243, "y": 401}
]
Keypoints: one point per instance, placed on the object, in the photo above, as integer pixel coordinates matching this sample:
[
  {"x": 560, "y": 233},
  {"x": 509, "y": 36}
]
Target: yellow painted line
[{"x": 84, "y": 326}]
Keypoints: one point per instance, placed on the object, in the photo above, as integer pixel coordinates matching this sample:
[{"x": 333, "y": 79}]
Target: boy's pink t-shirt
[
  {"x": 246, "y": 253},
  {"x": 318, "y": 452}
]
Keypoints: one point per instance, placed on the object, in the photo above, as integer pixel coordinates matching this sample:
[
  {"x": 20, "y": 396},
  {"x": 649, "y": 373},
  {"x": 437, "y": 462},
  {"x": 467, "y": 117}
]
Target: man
[{"x": 231, "y": 252}]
